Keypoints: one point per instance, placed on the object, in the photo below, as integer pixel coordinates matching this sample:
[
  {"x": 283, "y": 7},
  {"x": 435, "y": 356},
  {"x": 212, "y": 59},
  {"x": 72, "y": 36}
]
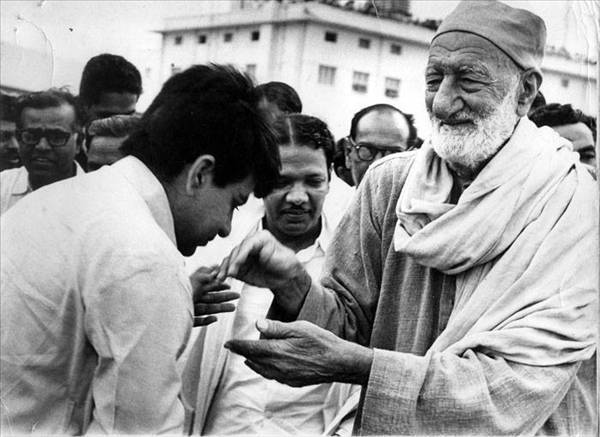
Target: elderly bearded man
[{"x": 465, "y": 274}]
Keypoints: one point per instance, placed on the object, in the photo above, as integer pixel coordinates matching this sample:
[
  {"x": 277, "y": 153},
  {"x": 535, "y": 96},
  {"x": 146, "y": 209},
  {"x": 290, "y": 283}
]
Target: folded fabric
[{"x": 522, "y": 241}]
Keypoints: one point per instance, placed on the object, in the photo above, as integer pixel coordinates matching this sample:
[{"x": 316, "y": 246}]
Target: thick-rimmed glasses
[
  {"x": 54, "y": 137},
  {"x": 368, "y": 151}
]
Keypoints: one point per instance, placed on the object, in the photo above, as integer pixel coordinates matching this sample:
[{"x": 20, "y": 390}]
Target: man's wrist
[
  {"x": 291, "y": 297},
  {"x": 357, "y": 361}
]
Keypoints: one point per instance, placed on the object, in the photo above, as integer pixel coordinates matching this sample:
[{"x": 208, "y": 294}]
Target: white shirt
[
  {"x": 14, "y": 185},
  {"x": 96, "y": 307}
]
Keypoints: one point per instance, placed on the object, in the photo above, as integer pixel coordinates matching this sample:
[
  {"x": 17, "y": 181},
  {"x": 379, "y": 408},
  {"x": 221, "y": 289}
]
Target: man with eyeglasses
[
  {"x": 377, "y": 131},
  {"x": 48, "y": 123}
]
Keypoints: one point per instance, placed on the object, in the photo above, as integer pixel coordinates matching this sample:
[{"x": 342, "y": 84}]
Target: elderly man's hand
[
  {"x": 263, "y": 261},
  {"x": 209, "y": 295},
  {"x": 300, "y": 353}
]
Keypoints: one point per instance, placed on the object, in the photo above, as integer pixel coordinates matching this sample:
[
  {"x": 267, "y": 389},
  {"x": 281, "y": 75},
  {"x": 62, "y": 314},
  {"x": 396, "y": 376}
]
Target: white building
[{"x": 339, "y": 60}]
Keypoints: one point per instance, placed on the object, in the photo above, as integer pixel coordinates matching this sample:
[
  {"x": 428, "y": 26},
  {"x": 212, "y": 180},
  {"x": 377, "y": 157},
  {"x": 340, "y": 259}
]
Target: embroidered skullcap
[{"x": 518, "y": 33}]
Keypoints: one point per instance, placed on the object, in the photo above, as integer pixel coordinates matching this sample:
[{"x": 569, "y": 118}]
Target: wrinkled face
[
  {"x": 582, "y": 139},
  {"x": 471, "y": 97},
  {"x": 201, "y": 216},
  {"x": 46, "y": 162},
  {"x": 293, "y": 209},
  {"x": 9, "y": 147},
  {"x": 103, "y": 150},
  {"x": 383, "y": 133},
  {"x": 113, "y": 103}
]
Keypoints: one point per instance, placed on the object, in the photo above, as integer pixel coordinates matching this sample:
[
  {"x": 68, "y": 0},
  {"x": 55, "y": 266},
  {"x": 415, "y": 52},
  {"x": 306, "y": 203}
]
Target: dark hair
[
  {"x": 115, "y": 126},
  {"x": 538, "y": 102},
  {"x": 300, "y": 129},
  {"x": 556, "y": 114},
  {"x": 51, "y": 98},
  {"x": 207, "y": 109},
  {"x": 282, "y": 95},
  {"x": 107, "y": 73},
  {"x": 8, "y": 107},
  {"x": 412, "y": 141}
]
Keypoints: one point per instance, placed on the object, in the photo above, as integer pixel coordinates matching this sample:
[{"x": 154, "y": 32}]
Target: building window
[
  {"x": 364, "y": 43},
  {"x": 251, "y": 70},
  {"x": 331, "y": 36},
  {"x": 360, "y": 81},
  {"x": 202, "y": 39},
  {"x": 228, "y": 37},
  {"x": 392, "y": 87},
  {"x": 396, "y": 49},
  {"x": 255, "y": 35},
  {"x": 178, "y": 40},
  {"x": 175, "y": 69},
  {"x": 326, "y": 74},
  {"x": 564, "y": 82}
]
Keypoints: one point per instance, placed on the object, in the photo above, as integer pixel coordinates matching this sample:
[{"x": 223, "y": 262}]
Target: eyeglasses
[
  {"x": 368, "y": 151},
  {"x": 55, "y": 137}
]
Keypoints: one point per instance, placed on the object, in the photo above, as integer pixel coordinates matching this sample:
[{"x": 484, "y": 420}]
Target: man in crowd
[
  {"x": 96, "y": 306},
  {"x": 377, "y": 131},
  {"x": 572, "y": 124},
  {"x": 105, "y": 137},
  {"x": 278, "y": 98},
  {"x": 110, "y": 85},
  {"x": 463, "y": 279},
  {"x": 48, "y": 124},
  {"x": 9, "y": 148},
  {"x": 228, "y": 397}
]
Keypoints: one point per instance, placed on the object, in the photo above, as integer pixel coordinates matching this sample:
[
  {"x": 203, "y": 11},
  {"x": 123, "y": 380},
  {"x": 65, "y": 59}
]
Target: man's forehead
[
  {"x": 382, "y": 124},
  {"x": 455, "y": 49},
  {"x": 7, "y": 125},
  {"x": 577, "y": 133},
  {"x": 302, "y": 157},
  {"x": 62, "y": 115}
]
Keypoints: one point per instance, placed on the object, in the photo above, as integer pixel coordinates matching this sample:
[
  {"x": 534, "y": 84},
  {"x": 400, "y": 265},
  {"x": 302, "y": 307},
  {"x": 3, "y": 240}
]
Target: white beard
[{"x": 470, "y": 146}]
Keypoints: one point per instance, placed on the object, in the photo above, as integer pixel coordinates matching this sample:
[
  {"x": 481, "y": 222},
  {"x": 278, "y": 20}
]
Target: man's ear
[
  {"x": 200, "y": 173},
  {"x": 347, "y": 159},
  {"x": 531, "y": 80}
]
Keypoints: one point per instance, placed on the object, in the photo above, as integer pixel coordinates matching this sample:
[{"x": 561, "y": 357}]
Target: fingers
[
  {"x": 274, "y": 329},
  {"x": 233, "y": 263},
  {"x": 215, "y": 297},
  {"x": 250, "y": 348},
  {"x": 201, "y": 309},
  {"x": 203, "y": 321}
]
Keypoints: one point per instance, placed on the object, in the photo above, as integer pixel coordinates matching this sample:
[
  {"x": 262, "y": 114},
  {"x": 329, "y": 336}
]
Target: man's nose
[
  {"x": 297, "y": 195},
  {"x": 447, "y": 100},
  {"x": 43, "y": 144}
]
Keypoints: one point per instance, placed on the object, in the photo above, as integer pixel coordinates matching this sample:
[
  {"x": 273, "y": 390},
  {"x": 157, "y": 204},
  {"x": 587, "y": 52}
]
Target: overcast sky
[{"x": 78, "y": 30}]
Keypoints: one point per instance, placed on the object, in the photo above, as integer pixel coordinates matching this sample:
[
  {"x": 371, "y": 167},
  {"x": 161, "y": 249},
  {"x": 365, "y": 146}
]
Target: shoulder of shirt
[{"x": 390, "y": 166}]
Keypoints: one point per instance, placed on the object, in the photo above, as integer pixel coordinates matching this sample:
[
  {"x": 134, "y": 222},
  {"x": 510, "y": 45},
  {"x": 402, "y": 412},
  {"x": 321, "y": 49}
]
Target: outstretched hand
[
  {"x": 301, "y": 353},
  {"x": 210, "y": 295},
  {"x": 262, "y": 261}
]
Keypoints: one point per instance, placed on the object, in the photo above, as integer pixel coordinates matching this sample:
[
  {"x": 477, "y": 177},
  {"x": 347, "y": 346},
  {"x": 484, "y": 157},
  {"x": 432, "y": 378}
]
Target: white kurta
[{"x": 96, "y": 307}]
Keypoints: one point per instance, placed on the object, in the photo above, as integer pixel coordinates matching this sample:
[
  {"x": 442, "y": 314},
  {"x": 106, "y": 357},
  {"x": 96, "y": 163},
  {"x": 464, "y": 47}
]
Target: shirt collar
[
  {"x": 23, "y": 187},
  {"x": 150, "y": 189}
]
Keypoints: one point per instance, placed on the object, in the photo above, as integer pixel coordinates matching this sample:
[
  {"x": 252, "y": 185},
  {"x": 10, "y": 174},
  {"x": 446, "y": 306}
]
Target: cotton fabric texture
[
  {"x": 388, "y": 300},
  {"x": 14, "y": 185},
  {"x": 96, "y": 307},
  {"x": 518, "y": 33}
]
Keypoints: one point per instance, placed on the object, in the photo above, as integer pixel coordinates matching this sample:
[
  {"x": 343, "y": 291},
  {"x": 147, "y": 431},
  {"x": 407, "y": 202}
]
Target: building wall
[{"x": 292, "y": 51}]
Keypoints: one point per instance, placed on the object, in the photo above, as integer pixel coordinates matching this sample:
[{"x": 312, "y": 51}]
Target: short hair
[
  {"x": 115, "y": 126},
  {"x": 555, "y": 114},
  {"x": 282, "y": 95},
  {"x": 8, "y": 107},
  {"x": 412, "y": 140},
  {"x": 207, "y": 109},
  {"x": 51, "y": 98},
  {"x": 107, "y": 73},
  {"x": 300, "y": 129},
  {"x": 538, "y": 102}
]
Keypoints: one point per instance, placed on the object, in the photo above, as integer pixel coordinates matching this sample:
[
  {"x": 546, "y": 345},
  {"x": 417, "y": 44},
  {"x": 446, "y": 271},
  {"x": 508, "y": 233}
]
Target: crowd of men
[{"x": 221, "y": 265}]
